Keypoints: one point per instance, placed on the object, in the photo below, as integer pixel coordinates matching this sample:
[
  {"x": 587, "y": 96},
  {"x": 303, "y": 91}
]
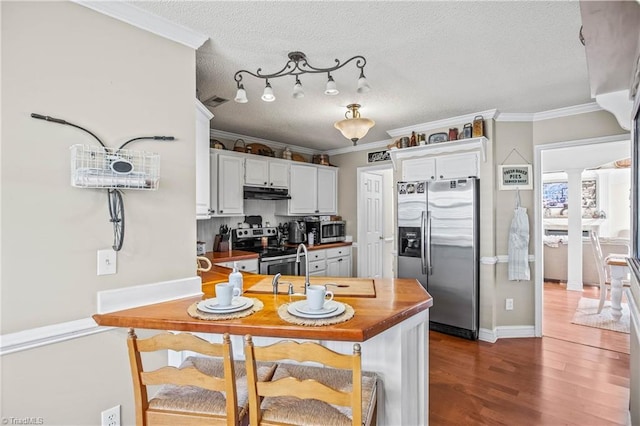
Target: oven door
[{"x": 285, "y": 265}]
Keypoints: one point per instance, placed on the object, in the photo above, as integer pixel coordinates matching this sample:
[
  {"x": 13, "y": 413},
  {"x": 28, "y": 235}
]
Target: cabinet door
[
  {"x": 457, "y": 166},
  {"x": 339, "y": 266},
  {"x": 303, "y": 189},
  {"x": 327, "y": 191},
  {"x": 230, "y": 181},
  {"x": 203, "y": 181},
  {"x": 419, "y": 169},
  {"x": 278, "y": 174},
  {"x": 256, "y": 172}
]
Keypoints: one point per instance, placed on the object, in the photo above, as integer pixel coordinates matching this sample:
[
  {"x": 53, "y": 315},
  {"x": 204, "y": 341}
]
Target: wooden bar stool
[
  {"x": 298, "y": 394},
  {"x": 203, "y": 391}
]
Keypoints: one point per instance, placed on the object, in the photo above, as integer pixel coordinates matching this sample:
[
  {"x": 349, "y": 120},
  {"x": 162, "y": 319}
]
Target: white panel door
[
  {"x": 371, "y": 191},
  {"x": 203, "y": 180}
]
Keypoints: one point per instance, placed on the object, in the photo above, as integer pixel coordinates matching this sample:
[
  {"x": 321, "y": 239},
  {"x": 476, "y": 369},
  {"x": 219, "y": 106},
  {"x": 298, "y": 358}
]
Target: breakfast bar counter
[{"x": 391, "y": 324}]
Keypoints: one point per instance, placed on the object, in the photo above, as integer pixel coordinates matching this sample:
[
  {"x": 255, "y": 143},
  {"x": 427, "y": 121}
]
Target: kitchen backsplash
[{"x": 207, "y": 229}]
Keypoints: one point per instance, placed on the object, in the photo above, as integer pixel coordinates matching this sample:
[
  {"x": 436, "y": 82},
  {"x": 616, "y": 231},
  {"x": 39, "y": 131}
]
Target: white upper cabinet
[
  {"x": 327, "y": 191},
  {"x": 266, "y": 173},
  {"x": 203, "y": 201},
  {"x": 227, "y": 179},
  {"x": 454, "y": 166},
  {"x": 303, "y": 190},
  {"x": 313, "y": 190}
]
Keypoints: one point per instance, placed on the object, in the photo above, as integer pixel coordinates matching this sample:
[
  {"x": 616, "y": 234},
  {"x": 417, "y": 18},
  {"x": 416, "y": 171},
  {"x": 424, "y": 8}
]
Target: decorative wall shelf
[{"x": 478, "y": 144}]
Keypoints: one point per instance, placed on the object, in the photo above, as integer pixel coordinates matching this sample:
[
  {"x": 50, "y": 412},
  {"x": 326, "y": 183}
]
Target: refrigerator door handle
[
  {"x": 422, "y": 243},
  {"x": 427, "y": 244}
]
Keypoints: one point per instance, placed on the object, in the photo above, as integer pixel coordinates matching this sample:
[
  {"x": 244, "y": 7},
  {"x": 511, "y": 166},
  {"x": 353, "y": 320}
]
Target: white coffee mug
[
  {"x": 317, "y": 297},
  {"x": 225, "y": 293}
]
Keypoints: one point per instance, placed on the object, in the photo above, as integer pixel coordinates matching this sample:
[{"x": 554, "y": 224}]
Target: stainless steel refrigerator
[{"x": 438, "y": 244}]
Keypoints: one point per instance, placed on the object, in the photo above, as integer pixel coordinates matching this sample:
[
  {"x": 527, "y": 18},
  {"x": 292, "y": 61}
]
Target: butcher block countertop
[
  {"x": 395, "y": 301},
  {"x": 230, "y": 256}
]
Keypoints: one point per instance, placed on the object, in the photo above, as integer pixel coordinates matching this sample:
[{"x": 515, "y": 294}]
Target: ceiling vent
[{"x": 215, "y": 101}]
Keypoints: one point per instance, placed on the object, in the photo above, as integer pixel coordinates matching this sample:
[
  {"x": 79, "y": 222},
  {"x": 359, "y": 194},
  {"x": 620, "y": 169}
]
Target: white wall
[{"x": 67, "y": 61}]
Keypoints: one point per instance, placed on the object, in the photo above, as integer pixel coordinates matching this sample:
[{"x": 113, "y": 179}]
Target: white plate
[
  {"x": 237, "y": 304},
  {"x": 303, "y": 307},
  {"x": 296, "y": 313}
]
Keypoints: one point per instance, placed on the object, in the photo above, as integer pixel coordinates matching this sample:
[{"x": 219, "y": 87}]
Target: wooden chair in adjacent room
[
  {"x": 203, "y": 391},
  {"x": 337, "y": 394},
  {"x": 604, "y": 273}
]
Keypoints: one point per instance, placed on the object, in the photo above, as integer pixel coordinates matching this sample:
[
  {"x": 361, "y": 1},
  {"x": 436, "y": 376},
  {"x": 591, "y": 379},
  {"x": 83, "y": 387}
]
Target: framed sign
[
  {"x": 514, "y": 176},
  {"x": 374, "y": 157}
]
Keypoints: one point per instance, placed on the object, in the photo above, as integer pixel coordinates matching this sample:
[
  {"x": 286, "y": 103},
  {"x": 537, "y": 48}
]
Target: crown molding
[
  {"x": 204, "y": 110},
  {"x": 215, "y": 133},
  {"x": 552, "y": 113},
  {"x": 431, "y": 125},
  {"x": 142, "y": 19}
]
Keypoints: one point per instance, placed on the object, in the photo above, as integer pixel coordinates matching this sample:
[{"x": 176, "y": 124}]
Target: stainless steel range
[{"x": 273, "y": 257}]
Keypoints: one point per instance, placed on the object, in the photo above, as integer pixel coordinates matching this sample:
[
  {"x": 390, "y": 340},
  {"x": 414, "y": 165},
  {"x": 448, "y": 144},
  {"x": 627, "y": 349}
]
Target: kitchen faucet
[{"x": 306, "y": 264}]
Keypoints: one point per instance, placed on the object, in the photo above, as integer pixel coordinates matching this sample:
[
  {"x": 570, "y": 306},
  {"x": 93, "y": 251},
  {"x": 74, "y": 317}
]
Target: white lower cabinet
[
  {"x": 249, "y": 265},
  {"x": 333, "y": 262},
  {"x": 339, "y": 262}
]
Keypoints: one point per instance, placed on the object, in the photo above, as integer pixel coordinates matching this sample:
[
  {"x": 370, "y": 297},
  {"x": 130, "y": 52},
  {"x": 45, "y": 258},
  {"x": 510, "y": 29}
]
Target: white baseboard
[
  {"x": 506, "y": 332},
  {"x": 108, "y": 301}
]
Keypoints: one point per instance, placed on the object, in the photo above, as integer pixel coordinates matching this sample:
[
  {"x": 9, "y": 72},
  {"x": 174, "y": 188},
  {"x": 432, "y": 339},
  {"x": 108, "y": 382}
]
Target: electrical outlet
[
  {"x": 508, "y": 304},
  {"x": 111, "y": 417},
  {"x": 106, "y": 262}
]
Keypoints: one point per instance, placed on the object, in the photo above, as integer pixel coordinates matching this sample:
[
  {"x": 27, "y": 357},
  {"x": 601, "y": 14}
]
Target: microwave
[{"x": 327, "y": 231}]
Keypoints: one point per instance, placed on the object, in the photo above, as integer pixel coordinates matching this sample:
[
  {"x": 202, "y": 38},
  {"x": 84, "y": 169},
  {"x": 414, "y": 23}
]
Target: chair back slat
[
  {"x": 303, "y": 352},
  {"x": 303, "y": 389},
  {"x": 188, "y": 376}
]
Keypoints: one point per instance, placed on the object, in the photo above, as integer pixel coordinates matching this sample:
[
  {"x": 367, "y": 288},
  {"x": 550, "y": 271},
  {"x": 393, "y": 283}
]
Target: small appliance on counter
[
  {"x": 326, "y": 231},
  {"x": 297, "y": 232}
]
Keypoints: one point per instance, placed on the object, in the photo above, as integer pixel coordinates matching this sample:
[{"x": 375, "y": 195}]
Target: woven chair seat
[
  {"x": 203, "y": 401},
  {"x": 294, "y": 411}
]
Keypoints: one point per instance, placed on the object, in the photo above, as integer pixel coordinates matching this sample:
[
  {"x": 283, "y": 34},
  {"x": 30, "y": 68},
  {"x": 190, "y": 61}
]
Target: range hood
[{"x": 260, "y": 193}]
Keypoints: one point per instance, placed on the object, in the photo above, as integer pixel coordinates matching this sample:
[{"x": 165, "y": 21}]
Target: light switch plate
[{"x": 106, "y": 262}]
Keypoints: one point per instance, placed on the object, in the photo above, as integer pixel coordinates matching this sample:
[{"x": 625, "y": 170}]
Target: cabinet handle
[
  {"x": 243, "y": 267},
  {"x": 317, "y": 211},
  {"x": 265, "y": 183},
  {"x": 221, "y": 211},
  {"x": 339, "y": 260},
  {"x": 339, "y": 252},
  {"x": 271, "y": 183},
  {"x": 433, "y": 177},
  {"x": 441, "y": 177}
]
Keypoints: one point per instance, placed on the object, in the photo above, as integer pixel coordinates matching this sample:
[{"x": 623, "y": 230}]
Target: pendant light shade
[
  {"x": 331, "y": 89},
  {"x": 241, "y": 95},
  {"x": 268, "y": 95},
  {"x": 356, "y": 127},
  {"x": 298, "y": 92},
  {"x": 363, "y": 85}
]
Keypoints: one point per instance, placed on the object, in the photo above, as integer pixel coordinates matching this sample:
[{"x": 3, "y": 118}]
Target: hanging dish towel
[{"x": 519, "y": 244}]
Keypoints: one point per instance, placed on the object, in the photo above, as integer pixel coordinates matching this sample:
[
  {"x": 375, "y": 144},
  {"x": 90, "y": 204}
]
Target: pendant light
[{"x": 354, "y": 127}]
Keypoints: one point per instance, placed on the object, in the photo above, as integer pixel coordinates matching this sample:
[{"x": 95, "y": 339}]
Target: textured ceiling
[{"x": 425, "y": 61}]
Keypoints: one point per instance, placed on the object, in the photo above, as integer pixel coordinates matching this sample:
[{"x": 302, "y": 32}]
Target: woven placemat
[
  {"x": 194, "y": 312},
  {"x": 345, "y": 316}
]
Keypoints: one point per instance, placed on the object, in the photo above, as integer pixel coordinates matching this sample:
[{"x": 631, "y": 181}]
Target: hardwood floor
[
  {"x": 547, "y": 381},
  {"x": 559, "y": 307}
]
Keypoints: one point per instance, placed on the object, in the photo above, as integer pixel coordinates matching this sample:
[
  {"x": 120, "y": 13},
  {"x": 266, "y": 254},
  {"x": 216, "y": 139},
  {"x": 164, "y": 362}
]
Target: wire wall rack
[{"x": 109, "y": 168}]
